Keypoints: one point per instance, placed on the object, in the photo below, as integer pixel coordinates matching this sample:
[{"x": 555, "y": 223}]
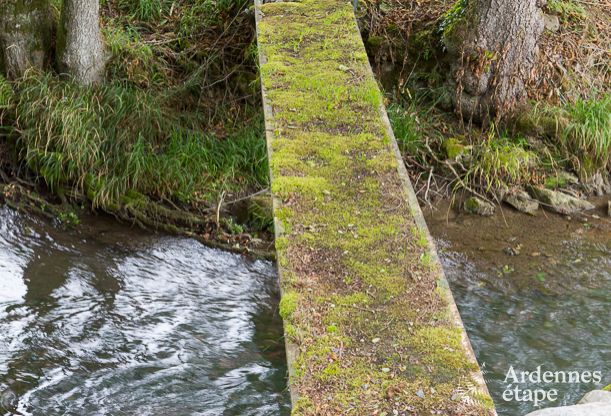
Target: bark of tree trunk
[
  {"x": 493, "y": 47},
  {"x": 80, "y": 49},
  {"x": 25, "y": 35}
]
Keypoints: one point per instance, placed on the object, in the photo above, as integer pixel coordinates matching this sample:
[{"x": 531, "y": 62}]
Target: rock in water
[
  {"x": 590, "y": 409},
  {"x": 475, "y": 205},
  {"x": 560, "y": 202},
  {"x": 520, "y": 200},
  {"x": 596, "y": 396},
  {"x": 594, "y": 403}
]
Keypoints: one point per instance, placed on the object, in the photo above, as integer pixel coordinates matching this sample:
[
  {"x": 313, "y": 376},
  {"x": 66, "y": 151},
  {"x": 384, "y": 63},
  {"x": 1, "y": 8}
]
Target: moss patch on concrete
[{"x": 360, "y": 287}]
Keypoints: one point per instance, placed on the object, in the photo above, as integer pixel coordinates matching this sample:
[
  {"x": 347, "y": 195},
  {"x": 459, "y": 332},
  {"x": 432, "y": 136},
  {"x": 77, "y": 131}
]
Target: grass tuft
[
  {"x": 6, "y": 93},
  {"x": 567, "y": 9},
  {"x": 146, "y": 10},
  {"x": 588, "y": 133},
  {"x": 500, "y": 161}
]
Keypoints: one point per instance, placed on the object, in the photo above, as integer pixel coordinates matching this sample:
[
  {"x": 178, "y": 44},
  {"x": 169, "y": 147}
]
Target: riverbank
[
  {"x": 172, "y": 140},
  {"x": 175, "y": 136},
  {"x": 564, "y": 129}
]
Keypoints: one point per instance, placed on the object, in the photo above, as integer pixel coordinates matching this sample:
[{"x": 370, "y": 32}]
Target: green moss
[
  {"x": 453, "y": 148},
  {"x": 471, "y": 205},
  {"x": 567, "y": 9},
  {"x": 356, "y": 260},
  {"x": 303, "y": 405},
  {"x": 312, "y": 187},
  {"x": 331, "y": 329},
  {"x": 375, "y": 42},
  {"x": 288, "y": 305},
  {"x": 290, "y": 331}
]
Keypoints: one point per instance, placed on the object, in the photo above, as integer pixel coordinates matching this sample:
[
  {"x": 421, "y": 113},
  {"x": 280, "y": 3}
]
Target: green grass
[
  {"x": 579, "y": 132},
  {"x": 588, "y": 133},
  {"x": 415, "y": 123},
  {"x": 114, "y": 139},
  {"x": 406, "y": 128},
  {"x": 145, "y": 9},
  {"x": 501, "y": 160},
  {"x": 6, "y": 93}
]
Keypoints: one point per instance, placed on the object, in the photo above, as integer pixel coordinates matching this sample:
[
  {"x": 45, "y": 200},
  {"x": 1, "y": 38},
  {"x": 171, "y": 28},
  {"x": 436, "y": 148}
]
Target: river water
[
  {"x": 532, "y": 291},
  {"x": 107, "y": 320}
]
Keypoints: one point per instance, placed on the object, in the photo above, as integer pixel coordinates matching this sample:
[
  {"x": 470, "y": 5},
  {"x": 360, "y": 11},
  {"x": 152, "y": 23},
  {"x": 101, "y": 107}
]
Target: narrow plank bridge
[{"x": 370, "y": 323}]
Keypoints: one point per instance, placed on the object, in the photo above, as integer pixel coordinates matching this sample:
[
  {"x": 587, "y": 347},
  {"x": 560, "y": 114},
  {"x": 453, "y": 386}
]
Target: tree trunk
[
  {"x": 25, "y": 35},
  {"x": 493, "y": 47},
  {"x": 80, "y": 49}
]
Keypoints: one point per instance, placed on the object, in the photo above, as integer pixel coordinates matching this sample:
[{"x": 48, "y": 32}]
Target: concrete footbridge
[{"x": 370, "y": 322}]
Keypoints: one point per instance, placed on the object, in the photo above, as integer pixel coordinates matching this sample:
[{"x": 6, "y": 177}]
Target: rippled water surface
[
  {"x": 110, "y": 321},
  {"x": 532, "y": 291}
]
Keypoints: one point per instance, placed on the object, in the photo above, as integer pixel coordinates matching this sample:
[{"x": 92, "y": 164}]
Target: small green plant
[
  {"x": 567, "y": 9},
  {"x": 452, "y": 17},
  {"x": 69, "y": 218},
  {"x": 405, "y": 127},
  {"x": 232, "y": 226}
]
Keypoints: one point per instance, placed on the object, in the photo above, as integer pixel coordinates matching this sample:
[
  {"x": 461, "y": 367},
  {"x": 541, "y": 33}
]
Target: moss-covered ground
[{"x": 361, "y": 294}]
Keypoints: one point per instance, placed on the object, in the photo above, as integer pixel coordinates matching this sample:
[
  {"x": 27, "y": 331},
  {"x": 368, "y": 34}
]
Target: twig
[{"x": 218, "y": 211}]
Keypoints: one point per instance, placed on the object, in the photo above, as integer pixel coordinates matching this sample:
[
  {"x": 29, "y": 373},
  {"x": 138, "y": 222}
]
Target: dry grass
[{"x": 575, "y": 61}]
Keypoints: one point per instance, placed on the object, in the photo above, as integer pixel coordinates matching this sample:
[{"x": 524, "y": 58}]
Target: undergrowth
[
  {"x": 501, "y": 161},
  {"x": 196, "y": 48},
  {"x": 177, "y": 120},
  {"x": 567, "y": 9},
  {"x": 441, "y": 151},
  {"x": 114, "y": 139}
]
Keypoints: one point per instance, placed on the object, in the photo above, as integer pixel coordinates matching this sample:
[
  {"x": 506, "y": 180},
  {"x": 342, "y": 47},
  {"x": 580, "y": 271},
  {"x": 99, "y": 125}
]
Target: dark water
[
  {"x": 532, "y": 292},
  {"x": 110, "y": 321}
]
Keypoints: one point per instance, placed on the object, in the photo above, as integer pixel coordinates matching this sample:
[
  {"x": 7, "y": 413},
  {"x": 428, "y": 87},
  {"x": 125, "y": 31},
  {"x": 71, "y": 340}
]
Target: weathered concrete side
[{"x": 370, "y": 323}]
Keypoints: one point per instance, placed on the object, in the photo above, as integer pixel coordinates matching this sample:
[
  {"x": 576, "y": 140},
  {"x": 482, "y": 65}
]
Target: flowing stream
[
  {"x": 532, "y": 291},
  {"x": 106, "y": 320}
]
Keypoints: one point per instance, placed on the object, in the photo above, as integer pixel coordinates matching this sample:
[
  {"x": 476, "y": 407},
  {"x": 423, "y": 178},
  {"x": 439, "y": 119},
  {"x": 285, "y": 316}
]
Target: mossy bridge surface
[{"x": 370, "y": 322}]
